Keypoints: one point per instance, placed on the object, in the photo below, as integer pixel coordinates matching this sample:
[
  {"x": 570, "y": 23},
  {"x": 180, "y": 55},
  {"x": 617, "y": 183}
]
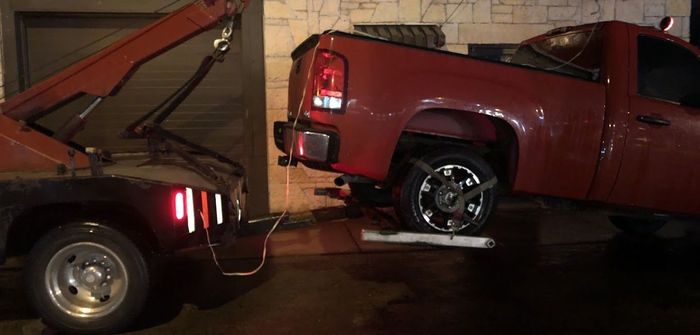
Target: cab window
[
  {"x": 667, "y": 71},
  {"x": 576, "y": 54}
]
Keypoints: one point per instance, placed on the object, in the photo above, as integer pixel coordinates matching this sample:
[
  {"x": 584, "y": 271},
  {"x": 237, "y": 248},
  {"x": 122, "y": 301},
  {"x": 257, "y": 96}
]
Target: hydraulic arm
[{"x": 100, "y": 75}]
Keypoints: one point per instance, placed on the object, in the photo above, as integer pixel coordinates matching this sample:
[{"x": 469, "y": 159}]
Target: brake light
[
  {"x": 666, "y": 23},
  {"x": 329, "y": 81},
  {"x": 179, "y": 206},
  {"x": 185, "y": 209}
]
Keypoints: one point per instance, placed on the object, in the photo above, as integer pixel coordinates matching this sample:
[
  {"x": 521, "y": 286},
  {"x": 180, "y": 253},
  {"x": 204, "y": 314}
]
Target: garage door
[{"x": 212, "y": 116}]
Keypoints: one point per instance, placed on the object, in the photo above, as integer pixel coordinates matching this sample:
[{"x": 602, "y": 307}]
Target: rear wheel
[
  {"x": 637, "y": 226},
  {"x": 86, "y": 278},
  {"x": 428, "y": 202}
]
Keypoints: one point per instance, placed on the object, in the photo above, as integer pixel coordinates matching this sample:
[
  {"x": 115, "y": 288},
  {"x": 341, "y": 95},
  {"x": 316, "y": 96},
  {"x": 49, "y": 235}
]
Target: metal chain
[{"x": 223, "y": 44}]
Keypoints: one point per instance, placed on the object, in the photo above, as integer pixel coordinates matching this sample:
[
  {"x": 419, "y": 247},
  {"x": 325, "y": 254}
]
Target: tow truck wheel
[
  {"x": 86, "y": 278},
  {"x": 428, "y": 202}
]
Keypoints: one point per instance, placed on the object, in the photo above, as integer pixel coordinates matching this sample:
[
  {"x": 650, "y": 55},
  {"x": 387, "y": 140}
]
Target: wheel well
[
  {"x": 492, "y": 138},
  {"x": 33, "y": 223}
]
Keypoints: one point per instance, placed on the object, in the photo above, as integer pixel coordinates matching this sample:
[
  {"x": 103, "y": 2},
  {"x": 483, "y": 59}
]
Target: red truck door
[{"x": 661, "y": 160}]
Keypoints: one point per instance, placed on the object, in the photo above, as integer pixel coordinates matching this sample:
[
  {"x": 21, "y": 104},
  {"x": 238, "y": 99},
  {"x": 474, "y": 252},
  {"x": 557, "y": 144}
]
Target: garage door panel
[
  {"x": 176, "y": 125},
  {"x": 121, "y": 115},
  {"x": 175, "y": 81},
  {"x": 155, "y": 96},
  {"x": 124, "y": 117},
  {"x": 212, "y": 116},
  {"x": 62, "y": 33}
]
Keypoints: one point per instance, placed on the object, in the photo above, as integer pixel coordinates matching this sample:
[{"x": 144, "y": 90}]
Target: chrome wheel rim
[
  {"x": 438, "y": 202},
  {"x": 86, "y": 280}
]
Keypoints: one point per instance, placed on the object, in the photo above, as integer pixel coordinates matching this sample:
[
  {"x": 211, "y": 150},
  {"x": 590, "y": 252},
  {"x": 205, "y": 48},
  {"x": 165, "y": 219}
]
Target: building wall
[
  {"x": 289, "y": 22},
  {"x": 2, "y": 62},
  {"x": 694, "y": 23}
]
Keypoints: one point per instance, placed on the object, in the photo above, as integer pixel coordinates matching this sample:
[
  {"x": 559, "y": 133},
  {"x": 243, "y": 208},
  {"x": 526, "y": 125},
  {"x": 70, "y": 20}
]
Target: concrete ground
[{"x": 553, "y": 272}]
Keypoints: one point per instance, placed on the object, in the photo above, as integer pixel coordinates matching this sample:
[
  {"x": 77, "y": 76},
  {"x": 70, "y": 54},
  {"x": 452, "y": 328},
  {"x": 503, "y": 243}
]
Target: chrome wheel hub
[
  {"x": 91, "y": 275},
  {"x": 94, "y": 277},
  {"x": 438, "y": 202},
  {"x": 446, "y": 199},
  {"x": 86, "y": 280}
]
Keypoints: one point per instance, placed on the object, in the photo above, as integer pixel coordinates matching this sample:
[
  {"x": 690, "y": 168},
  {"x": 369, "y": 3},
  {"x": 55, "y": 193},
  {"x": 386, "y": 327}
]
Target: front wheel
[
  {"x": 86, "y": 279},
  {"x": 431, "y": 202}
]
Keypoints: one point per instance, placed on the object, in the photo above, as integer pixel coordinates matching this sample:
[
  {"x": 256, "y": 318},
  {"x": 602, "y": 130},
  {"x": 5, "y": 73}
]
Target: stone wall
[
  {"x": 2, "y": 63},
  {"x": 289, "y": 22}
]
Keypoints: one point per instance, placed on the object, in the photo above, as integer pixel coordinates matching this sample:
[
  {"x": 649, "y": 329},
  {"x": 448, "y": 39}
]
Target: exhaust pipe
[
  {"x": 340, "y": 181},
  {"x": 347, "y": 179}
]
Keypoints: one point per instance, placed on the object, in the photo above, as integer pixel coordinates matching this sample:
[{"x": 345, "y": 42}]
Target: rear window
[{"x": 576, "y": 53}]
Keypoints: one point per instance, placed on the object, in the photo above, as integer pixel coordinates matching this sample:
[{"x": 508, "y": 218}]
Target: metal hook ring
[
  {"x": 227, "y": 32},
  {"x": 222, "y": 45}
]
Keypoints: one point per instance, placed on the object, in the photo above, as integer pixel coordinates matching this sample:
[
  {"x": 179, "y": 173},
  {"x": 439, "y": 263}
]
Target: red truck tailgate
[{"x": 300, "y": 73}]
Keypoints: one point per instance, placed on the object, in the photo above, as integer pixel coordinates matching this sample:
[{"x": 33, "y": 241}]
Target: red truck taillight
[
  {"x": 179, "y": 206},
  {"x": 186, "y": 210},
  {"x": 183, "y": 207},
  {"x": 330, "y": 80}
]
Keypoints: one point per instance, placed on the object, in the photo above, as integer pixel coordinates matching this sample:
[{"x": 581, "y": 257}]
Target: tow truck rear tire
[
  {"x": 86, "y": 279},
  {"x": 420, "y": 206}
]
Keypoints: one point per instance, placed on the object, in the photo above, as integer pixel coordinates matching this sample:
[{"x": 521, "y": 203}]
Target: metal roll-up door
[{"x": 213, "y": 115}]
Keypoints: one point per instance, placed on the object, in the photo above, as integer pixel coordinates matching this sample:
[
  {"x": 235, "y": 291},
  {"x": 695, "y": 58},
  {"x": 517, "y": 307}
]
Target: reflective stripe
[
  {"x": 219, "y": 210},
  {"x": 205, "y": 210},
  {"x": 190, "y": 210}
]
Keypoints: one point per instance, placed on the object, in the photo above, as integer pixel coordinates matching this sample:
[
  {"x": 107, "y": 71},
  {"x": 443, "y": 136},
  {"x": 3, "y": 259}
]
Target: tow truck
[{"x": 89, "y": 222}]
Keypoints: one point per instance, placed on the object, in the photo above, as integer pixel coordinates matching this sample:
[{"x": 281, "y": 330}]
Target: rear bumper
[{"x": 310, "y": 145}]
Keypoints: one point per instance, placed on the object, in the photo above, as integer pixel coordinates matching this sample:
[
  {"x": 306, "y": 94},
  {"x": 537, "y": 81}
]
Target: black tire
[
  {"x": 413, "y": 203},
  {"x": 122, "y": 277},
  {"x": 637, "y": 226}
]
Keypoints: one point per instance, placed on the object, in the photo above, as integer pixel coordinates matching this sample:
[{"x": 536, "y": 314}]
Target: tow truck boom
[{"x": 100, "y": 75}]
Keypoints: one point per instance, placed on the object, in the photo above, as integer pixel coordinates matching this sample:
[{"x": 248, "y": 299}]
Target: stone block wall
[
  {"x": 289, "y": 22},
  {"x": 2, "y": 62}
]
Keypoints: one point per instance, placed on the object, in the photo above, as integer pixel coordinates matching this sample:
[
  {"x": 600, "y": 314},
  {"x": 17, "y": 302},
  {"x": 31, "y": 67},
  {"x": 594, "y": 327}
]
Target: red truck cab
[{"x": 603, "y": 113}]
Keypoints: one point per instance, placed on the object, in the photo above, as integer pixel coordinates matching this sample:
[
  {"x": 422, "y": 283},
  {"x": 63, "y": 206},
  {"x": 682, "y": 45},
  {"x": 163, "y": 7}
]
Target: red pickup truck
[{"x": 606, "y": 113}]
